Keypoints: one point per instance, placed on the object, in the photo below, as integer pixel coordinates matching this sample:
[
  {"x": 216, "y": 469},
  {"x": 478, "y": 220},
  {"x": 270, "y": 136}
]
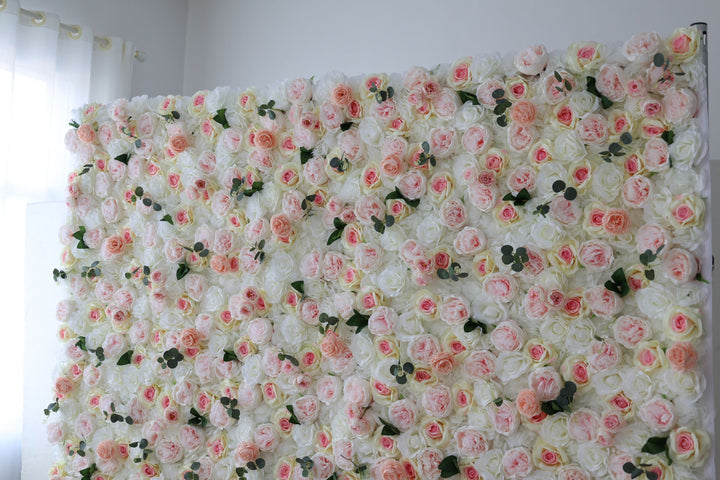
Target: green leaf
[
  {"x": 388, "y": 428},
  {"x": 229, "y": 356},
  {"x": 182, "y": 270},
  {"x": 81, "y": 344},
  {"x": 334, "y": 237},
  {"x": 626, "y": 138},
  {"x": 570, "y": 194},
  {"x": 655, "y": 445},
  {"x": 651, "y": 475},
  {"x": 615, "y": 148},
  {"x": 558, "y": 186},
  {"x": 449, "y": 465},
  {"x": 167, "y": 218},
  {"x": 442, "y": 273},
  {"x": 298, "y": 286},
  {"x": 557, "y": 76},
  {"x": 522, "y": 197},
  {"x": 175, "y": 114},
  {"x": 650, "y": 274},
  {"x": 124, "y": 158},
  {"x": 138, "y": 143},
  {"x": 358, "y": 320},
  {"x": 498, "y": 93},
  {"x": 271, "y": 114},
  {"x": 668, "y": 136},
  {"x": 468, "y": 97},
  {"x": 221, "y": 119},
  {"x": 338, "y": 224},
  {"x": 658, "y": 59},
  {"x": 139, "y": 191},
  {"x": 125, "y": 358},
  {"x": 74, "y": 124},
  {"x": 305, "y": 155},
  {"x": 346, "y": 126}
]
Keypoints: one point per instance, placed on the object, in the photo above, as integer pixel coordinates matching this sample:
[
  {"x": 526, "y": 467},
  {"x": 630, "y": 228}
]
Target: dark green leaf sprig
[
  {"x": 591, "y": 87},
  {"x": 237, "y": 192},
  {"x": 381, "y": 95},
  {"x": 380, "y": 225},
  {"x": 258, "y": 464},
  {"x": 501, "y": 106},
  {"x": 144, "y": 450},
  {"x": 453, "y": 272},
  {"x": 269, "y": 110},
  {"x": 558, "y": 186},
  {"x": 79, "y": 235},
  {"x": 618, "y": 283},
  {"x": 327, "y": 323},
  {"x": 199, "y": 248},
  {"x": 139, "y": 194},
  {"x": 87, "y": 473},
  {"x": 182, "y": 270},
  {"x": 656, "y": 445},
  {"x": 660, "y": 61},
  {"x": 98, "y": 352},
  {"x": 85, "y": 168},
  {"x": 171, "y": 117},
  {"x": 57, "y": 273},
  {"x": 293, "y": 418},
  {"x": 401, "y": 371},
  {"x": 646, "y": 258},
  {"x": 449, "y": 466},
  {"x": 221, "y": 118},
  {"x": 425, "y": 156},
  {"x": 563, "y": 400},
  {"x": 468, "y": 97},
  {"x": 515, "y": 257},
  {"x": 282, "y": 356},
  {"x": 472, "y": 325},
  {"x": 125, "y": 157},
  {"x": 340, "y": 164},
  {"x": 306, "y": 464},
  {"x": 80, "y": 450},
  {"x": 305, "y": 155},
  {"x": 345, "y": 126},
  {"x": 193, "y": 473},
  {"x": 230, "y": 356},
  {"x": 170, "y": 358},
  {"x": 91, "y": 271},
  {"x": 116, "y": 417},
  {"x": 144, "y": 275},
  {"x": 397, "y": 195},
  {"x": 197, "y": 418},
  {"x": 566, "y": 85},
  {"x": 74, "y": 124},
  {"x": 125, "y": 358},
  {"x": 668, "y": 136},
  {"x": 53, "y": 407},
  {"x": 636, "y": 471},
  {"x": 258, "y": 249},
  {"x": 522, "y": 197},
  {"x": 308, "y": 201},
  {"x": 358, "y": 320},
  {"x": 615, "y": 149},
  {"x": 138, "y": 142},
  {"x": 389, "y": 429},
  {"x": 337, "y": 234},
  {"x": 298, "y": 286},
  {"x": 230, "y": 405}
]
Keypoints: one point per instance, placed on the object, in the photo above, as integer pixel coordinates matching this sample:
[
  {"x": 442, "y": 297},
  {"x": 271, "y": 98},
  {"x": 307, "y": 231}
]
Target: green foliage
[
  {"x": 221, "y": 119},
  {"x": 563, "y": 400},
  {"x": 472, "y": 325},
  {"x": 592, "y": 88},
  {"x": 468, "y": 97},
  {"x": 397, "y": 195},
  {"x": 453, "y": 272},
  {"x": 618, "y": 283},
  {"x": 358, "y": 320},
  {"x": 401, "y": 371},
  {"x": 425, "y": 156},
  {"x": 449, "y": 467},
  {"x": 337, "y": 234},
  {"x": 522, "y": 197}
]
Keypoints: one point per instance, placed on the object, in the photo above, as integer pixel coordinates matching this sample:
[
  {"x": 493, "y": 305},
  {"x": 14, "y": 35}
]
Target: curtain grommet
[
  {"x": 104, "y": 42},
  {"x": 74, "y": 31},
  {"x": 38, "y": 19},
  {"x": 3, "y": 5}
]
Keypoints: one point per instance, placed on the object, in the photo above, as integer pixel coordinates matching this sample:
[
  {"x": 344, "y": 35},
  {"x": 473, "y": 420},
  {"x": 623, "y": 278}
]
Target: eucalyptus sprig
[
  {"x": 170, "y": 358},
  {"x": 397, "y": 195},
  {"x": 380, "y": 225},
  {"x": 230, "y": 405},
  {"x": 615, "y": 149},
  {"x": 618, "y": 283},
  {"x": 646, "y": 258},
  {"x": 193, "y": 473},
  {"x": 258, "y": 464},
  {"x": 522, "y": 197},
  {"x": 501, "y": 106},
  {"x": 237, "y": 192},
  {"x": 306, "y": 464},
  {"x": 327, "y": 323},
  {"x": 563, "y": 400},
  {"x": 660, "y": 61},
  {"x": 92, "y": 271},
  {"x": 116, "y": 417},
  {"x": 381, "y": 95},
  {"x": 591, "y": 87},
  {"x": 197, "y": 418},
  {"x": 453, "y": 272},
  {"x": 425, "y": 156},
  {"x": 199, "y": 248},
  {"x": 171, "y": 117},
  {"x": 87, "y": 473},
  {"x": 282, "y": 356},
  {"x": 53, "y": 407},
  {"x": 142, "y": 444},
  {"x": 80, "y": 450},
  {"x": 566, "y": 85},
  {"x": 515, "y": 257},
  {"x": 401, "y": 371},
  {"x": 99, "y": 352},
  {"x": 269, "y": 110},
  {"x": 258, "y": 249},
  {"x": 145, "y": 274},
  {"x": 57, "y": 273},
  {"x": 637, "y": 471},
  {"x": 339, "y": 164},
  {"x": 138, "y": 142}
]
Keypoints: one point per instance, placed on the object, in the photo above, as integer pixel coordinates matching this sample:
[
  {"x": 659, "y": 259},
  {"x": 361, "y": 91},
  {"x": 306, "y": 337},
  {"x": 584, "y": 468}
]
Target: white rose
[
  {"x": 408, "y": 326},
  {"x": 554, "y": 430},
  {"x": 579, "y": 336},
  {"x": 213, "y": 300},
  {"x": 633, "y": 439},
  {"x": 370, "y": 131},
  {"x": 293, "y": 332},
  {"x": 554, "y": 328},
  {"x": 510, "y": 365},
  {"x": 392, "y": 280},
  {"x": 686, "y": 148},
  {"x": 681, "y": 182},
  {"x": 492, "y": 312},
  {"x": 279, "y": 269},
  {"x": 653, "y": 300},
  {"x": 117, "y": 147},
  {"x": 592, "y": 457},
  {"x": 583, "y": 102},
  {"x": 391, "y": 240},
  {"x": 486, "y": 66},
  {"x": 304, "y": 435},
  {"x": 410, "y": 442},
  {"x": 468, "y": 115},
  {"x": 606, "y": 182},
  {"x": 429, "y": 230},
  {"x": 252, "y": 369},
  {"x": 485, "y": 392},
  {"x": 363, "y": 349},
  {"x": 491, "y": 461},
  {"x": 547, "y": 233},
  {"x": 568, "y": 147},
  {"x": 637, "y": 385},
  {"x": 687, "y": 384},
  {"x": 608, "y": 382}
]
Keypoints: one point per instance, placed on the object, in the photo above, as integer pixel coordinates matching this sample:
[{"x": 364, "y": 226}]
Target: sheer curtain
[{"x": 46, "y": 69}]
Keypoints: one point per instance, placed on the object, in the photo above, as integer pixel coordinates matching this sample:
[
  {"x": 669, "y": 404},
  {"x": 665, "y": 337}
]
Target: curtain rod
[{"x": 75, "y": 31}]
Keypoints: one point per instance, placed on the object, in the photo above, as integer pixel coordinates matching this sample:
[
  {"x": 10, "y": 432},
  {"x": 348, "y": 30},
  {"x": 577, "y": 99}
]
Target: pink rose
[
  {"x": 369, "y": 206},
  {"x": 658, "y": 413},
  {"x": 428, "y": 461},
  {"x": 630, "y": 331},
  {"x": 546, "y": 382},
  {"x": 523, "y": 112},
  {"x": 437, "y": 401},
  {"x": 310, "y": 265},
  {"x": 245, "y": 453},
  {"x": 596, "y": 255},
  {"x": 611, "y": 82},
  {"x": 445, "y": 103},
  {"x": 453, "y": 214},
  {"x": 584, "y": 425},
  {"x": 368, "y": 257},
  {"x": 299, "y": 91},
  {"x": 423, "y": 347},
  {"x": 679, "y": 105},
  {"x": 477, "y": 139},
  {"x": 508, "y": 336},
  {"x": 411, "y": 185},
  {"x": 454, "y": 310},
  {"x": 485, "y": 90},
  {"x": 616, "y": 221},
  {"x": 636, "y": 190},
  {"x": 604, "y": 355},
  {"x": 470, "y": 441},
  {"x": 349, "y": 143},
  {"x": 191, "y": 437},
  {"x": 480, "y": 364},
  {"x": 522, "y": 177},
  {"x": 265, "y": 437},
  {"x": 382, "y": 321},
  {"x": 651, "y": 237},
  {"x": 656, "y": 155},
  {"x": 528, "y": 404},
  {"x": 520, "y": 137},
  {"x": 517, "y": 463},
  {"x": 642, "y": 47},
  {"x": 328, "y": 389},
  {"x": 500, "y": 286},
  {"x": 470, "y": 241},
  {"x": 341, "y": 95},
  {"x": 402, "y": 414},
  {"x": 442, "y": 141},
  {"x": 602, "y": 301},
  {"x": 679, "y": 265},
  {"x": 168, "y": 451},
  {"x": 592, "y": 129},
  {"x": 682, "y": 356},
  {"x": 531, "y": 60}
]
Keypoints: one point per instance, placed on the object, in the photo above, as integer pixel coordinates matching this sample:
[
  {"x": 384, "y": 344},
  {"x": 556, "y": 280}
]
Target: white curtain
[{"x": 46, "y": 70}]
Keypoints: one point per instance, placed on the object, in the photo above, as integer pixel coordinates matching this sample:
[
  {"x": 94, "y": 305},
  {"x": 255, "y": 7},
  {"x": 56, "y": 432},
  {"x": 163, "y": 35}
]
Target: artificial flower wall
[{"x": 486, "y": 270}]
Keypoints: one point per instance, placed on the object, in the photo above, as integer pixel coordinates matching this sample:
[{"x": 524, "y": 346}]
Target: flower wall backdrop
[{"x": 490, "y": 269}]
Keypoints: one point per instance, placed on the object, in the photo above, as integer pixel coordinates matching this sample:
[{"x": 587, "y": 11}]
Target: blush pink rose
[
  {"x": 471, "y": 442},
  {"x": 423, "y": 347},
  {"x": 616, "y": 221},
  {"x": 500, "y": 286},
  {"x": 546, "y": 382},
  {"x": 470, "y": 241},
  {"x": 584, "y": 425},
  {"x": 483, "y": 197},
  {"x": 437, "y": 401},
  {"x": 531, "y": 60},
  {"x": 520, "y": 137},
  {"x": 679, "y": 104},
  {"x": 651, "y": 237},
  {"x": 656, "y": 155},
  {"x": 636, "y": 191},
  {"x": 402, "y": 414},
  {"x": 508, "y": 336},
  {"x": 630, "y": 331},
  {"x": 593, "y": 129},
  {"x": 679, "y": 265},
  {"x": 682, "y": 356},
  {"x": 477, "y": 139},
  {"x": 454, "y": 310},
  {"x": 517, "y": 463},
  {"x": 596, "y": 255},
  {"x": 602, "y": 301},
  {"x": 658, "y": 413},
  {"x": 411, "y": 185},
  {"x": 611, "y": 82},
  {"x": 480, "y": 364},
  {"x": 168, "y": 451}
]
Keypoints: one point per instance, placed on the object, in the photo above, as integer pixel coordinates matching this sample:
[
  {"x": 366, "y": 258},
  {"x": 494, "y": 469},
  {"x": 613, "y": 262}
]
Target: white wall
[
  {"x": 157, "y": 27},
  {"x": 255, "y": 42}
]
